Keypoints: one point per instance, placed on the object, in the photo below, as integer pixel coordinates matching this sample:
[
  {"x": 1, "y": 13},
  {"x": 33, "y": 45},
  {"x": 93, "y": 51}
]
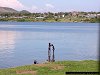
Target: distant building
[
  {"x": 39, "y": 17},
  {"x": 63, "y": 15},
  {"x": 74, "y": 13},
  {"x": 91, "y": 15},
  {"x": 3, "y": 16},
  {"x": 16, "y": 17},
  {"x": 81, "y": 15},
  {"x": 98, "y": 15}
]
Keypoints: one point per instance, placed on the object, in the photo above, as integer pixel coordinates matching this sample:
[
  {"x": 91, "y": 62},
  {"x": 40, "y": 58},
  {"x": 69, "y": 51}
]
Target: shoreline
[
  {"x": 53, "y": 68},
  {"x": 45, "y": 62},
  {"x": 44, "y": 22}
]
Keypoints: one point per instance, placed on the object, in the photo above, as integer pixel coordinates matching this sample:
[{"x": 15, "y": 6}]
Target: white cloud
[
  {"x": 49, "y": 8},
  {"x": 33, "y": 8},
  {"x": 11, "y": 3},
  {"x": 49, "y": 5}
]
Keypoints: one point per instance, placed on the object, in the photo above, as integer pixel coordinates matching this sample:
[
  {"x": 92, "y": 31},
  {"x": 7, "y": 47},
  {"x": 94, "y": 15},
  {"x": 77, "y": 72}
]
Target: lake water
[{"x": 23, "y": 42}]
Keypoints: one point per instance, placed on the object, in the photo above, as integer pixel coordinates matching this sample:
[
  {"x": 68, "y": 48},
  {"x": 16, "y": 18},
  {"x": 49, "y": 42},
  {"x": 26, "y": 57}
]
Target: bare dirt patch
[
  {"x": 51, "y": 66},
  {"x": 26, "y": 72},
  {"x": 57, "y": 67}
]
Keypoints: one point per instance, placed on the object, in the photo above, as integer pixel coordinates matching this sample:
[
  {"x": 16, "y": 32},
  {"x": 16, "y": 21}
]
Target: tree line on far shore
[{"x": 52, "y": 17}]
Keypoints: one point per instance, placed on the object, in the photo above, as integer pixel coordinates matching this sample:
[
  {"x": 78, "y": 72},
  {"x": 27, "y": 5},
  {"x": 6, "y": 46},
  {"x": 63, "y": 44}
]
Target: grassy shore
[{"x": 56, "y": 68}]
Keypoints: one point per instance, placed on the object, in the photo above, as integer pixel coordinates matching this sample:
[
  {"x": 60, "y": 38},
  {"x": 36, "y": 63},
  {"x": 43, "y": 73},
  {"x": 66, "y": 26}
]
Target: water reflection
[{"x": 7, "y": 42}]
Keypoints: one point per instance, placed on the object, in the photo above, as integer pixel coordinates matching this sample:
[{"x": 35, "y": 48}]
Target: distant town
[{"x": 9, "y": 14}]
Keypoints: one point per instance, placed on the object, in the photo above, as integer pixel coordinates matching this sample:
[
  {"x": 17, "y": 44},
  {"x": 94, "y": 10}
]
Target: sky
[{"x": 52, "y": 5}]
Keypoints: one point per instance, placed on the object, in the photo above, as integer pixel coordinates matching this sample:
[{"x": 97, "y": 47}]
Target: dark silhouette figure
[
  {"x": 53, "y": 54},
  {"x": 49, "y": 53},
  {"x": 35, "y": 62}
]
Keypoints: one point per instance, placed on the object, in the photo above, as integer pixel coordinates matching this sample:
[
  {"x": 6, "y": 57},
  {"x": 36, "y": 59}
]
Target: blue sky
[{"x": 53, "y": 5}]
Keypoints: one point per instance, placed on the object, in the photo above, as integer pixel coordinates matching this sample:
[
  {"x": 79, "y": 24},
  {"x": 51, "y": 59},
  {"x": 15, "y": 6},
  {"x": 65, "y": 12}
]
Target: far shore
[
  {"x": 72, "y": 20},
  {"x": 46, "y": 22}
]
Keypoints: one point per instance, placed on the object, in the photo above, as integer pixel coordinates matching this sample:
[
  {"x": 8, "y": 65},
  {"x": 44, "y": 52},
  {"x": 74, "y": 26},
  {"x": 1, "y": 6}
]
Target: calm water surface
[{"x": 23, "y": 42}]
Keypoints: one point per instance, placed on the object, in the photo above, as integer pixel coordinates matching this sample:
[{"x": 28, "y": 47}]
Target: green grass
[{"x": 56, "y": 68}]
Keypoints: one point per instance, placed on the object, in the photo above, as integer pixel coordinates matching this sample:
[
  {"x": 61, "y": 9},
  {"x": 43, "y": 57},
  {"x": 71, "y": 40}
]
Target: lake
[{"x": 23, "y": 42}]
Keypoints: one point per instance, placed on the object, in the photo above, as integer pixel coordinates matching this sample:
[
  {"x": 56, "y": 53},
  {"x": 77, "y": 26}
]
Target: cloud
[
  {"x": 49, "y": 6},
  {"x": 11, "y": 3},
  {"x": 33, "y": 8}
]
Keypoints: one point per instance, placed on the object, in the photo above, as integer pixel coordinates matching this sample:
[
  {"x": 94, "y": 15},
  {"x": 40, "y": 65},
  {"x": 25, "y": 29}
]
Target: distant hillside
[
  {"x": 7, "y": 10},
  {"x": 24, "y": 11}
]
